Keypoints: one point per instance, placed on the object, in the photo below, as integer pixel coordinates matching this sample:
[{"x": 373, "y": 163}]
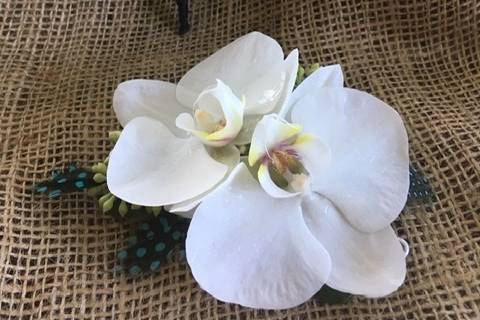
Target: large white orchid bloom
[
  {"x": 178, "y": 141},
  {"x": 330, "y": 185}
]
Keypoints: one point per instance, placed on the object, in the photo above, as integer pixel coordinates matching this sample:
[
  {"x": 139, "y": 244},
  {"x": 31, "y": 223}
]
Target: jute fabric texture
[{"x": 61, "y": 61}]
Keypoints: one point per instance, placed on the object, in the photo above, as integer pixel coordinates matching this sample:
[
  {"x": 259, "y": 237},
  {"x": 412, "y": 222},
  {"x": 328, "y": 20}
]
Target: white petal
[
  {"x": 150, "y": 166},
  {"x": 368, "y": 178},
  {"x": 314, "y": 154},
  {"x": 370, "y": 264},
  {"x": 187, "y": 205},
  {"x": 228, "y": 155},
  {"x": 249, "y": 124},
  {"x": 246, "y": 247},
  {"x": 250, "y": 120},
  {"x": 291, "y": 67},
  {"x": 269, "y": 92},
  {"x": 148, "y": 98},
  {"x": 238, "y": 64},
  {"x": 270, "y": 132},
  {"x": 329, "y": 76},
  {"x": 186, "y": 122},
  {"x": 270, "y": 187}
]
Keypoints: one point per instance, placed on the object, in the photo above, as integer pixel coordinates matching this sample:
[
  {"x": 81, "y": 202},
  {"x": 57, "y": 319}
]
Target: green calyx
[
  {"x": 311, "y": 68},
  {"x": 300, "y": 75},
  {"x": 114, "y": 135},
  {"x": 302, "y": 72}
]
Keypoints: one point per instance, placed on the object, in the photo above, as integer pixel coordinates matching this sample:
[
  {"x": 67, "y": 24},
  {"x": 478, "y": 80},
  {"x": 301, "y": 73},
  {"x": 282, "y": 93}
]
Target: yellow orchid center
[
  {"x": 283, "y": 156},
  {"x": 206, "y": 121},
  {"x": 285, "y": 166}
]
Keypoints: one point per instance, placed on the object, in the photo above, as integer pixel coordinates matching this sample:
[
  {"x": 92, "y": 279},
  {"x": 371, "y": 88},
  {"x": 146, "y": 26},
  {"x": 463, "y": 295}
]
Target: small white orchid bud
[{"x": 218, "y": 117}]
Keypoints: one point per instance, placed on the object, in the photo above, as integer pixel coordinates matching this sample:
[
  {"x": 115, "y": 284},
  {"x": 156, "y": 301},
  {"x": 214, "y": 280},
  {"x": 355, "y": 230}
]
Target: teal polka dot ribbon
[
  {"x": 153, "y": 242},
  {"x": 70, "y": 179}
]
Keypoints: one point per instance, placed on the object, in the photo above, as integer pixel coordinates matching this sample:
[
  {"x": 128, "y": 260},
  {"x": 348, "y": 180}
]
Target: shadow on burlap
[{"x": 61, "y": 61}]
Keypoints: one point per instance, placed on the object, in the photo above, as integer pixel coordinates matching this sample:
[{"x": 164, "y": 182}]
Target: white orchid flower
[
  {"x": 179, "y": 141},
  {"x": 330, "y": 185}
]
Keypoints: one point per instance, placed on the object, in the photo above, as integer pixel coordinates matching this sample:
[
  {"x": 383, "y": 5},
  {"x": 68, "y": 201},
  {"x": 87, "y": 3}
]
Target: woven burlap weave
[{"x": 61, "y": 60}]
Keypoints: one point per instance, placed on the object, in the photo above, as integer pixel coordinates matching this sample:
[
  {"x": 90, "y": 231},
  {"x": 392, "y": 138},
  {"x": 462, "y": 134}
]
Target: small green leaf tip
[
  {"x": 114, "y": 135},
  {"x": 99, "y": 178},
  {"x": 311, "y": 68},
  {"x": 123, "y": 208}
]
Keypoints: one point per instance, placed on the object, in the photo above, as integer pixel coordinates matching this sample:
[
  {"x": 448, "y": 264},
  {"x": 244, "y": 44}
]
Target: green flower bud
[
  {"x": 101, "y": 189},
  {"x": 156, "y": 211},
  {"x": 100, "y": 168},
  {"x": 104, "y": 198},
  {"x": 311, "y": 68},
  {"x": 135, "y": 207},
  {"x": 114, "y": 135},
  {"x": 99, "y": 178},
  {"x": 123, "y": 208},
  {"x": 108, "y": 205}
]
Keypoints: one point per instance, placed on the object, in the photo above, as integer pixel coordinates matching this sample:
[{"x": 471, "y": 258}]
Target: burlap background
[{"x": 61, "y": 60}]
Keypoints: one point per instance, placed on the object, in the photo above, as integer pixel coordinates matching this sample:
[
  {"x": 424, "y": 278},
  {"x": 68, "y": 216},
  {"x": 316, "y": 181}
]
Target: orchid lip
[
  {"x": 285, "y": 169},
  {"x": 283, "y": 147}
]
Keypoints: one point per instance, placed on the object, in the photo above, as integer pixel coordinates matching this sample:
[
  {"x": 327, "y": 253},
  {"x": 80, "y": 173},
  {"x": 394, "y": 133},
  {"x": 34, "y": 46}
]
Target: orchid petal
[
  {"x": 150, "y": 166},
  {"x": 249, "y": 124},
  {"x": 239, "y": 64},
  {"x": 328, "y": 76},
  {"x": 148, "y": 98},
  {"x": 370, "y": 264},
  {"x": 368, "y": 178},
  {"x": 251, "y": 120},
  {"x": 229, "y": 156},
  {"x": 246, "y": 247},
  {"x": 270, "y": 132},
  {"x": 269, "y": 92},
  {"x": 315, "y": 155}
]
